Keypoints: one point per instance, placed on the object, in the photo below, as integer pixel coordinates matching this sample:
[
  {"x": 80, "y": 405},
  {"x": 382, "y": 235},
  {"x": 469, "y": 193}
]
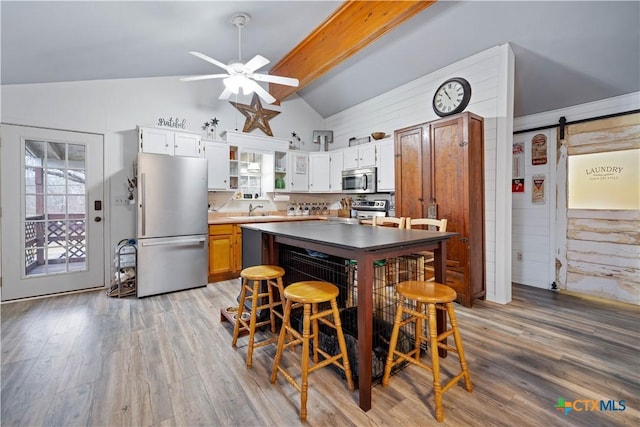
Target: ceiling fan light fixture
[
  {"x": 242, "y": 76},
  {"x": 236, "y": 83}
]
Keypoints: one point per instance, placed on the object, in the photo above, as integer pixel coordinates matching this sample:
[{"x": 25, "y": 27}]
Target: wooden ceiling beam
[{"x": 351, "y": 27}]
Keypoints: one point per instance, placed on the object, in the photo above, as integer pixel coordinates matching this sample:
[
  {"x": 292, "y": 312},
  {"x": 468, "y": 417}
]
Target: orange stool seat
[
  {"x": 272, "y": 275},
  {"x": 309, "y": 294},
  {"x": 435, "y": 296}
]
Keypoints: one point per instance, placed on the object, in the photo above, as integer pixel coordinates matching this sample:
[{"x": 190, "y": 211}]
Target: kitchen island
[{"x": 361, "y": 243}]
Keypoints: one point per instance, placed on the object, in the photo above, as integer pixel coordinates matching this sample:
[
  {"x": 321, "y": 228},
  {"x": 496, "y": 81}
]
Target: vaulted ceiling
[{"x": 567, "y": 53}]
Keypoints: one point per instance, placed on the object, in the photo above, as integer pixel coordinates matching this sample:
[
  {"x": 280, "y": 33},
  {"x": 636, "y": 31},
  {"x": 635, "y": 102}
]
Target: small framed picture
[{"x": 301, "y": 165}]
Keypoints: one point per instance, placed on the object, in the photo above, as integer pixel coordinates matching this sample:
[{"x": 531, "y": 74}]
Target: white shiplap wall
[
  {"x": 491, "y": 75},
  {"x": 533, "y": 224}
]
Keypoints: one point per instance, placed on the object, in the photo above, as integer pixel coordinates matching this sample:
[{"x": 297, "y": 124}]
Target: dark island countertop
[{"x": 349, "y": 236}]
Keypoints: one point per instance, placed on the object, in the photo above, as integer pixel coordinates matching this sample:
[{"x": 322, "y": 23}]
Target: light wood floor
[{"x": 86, "y": 359}]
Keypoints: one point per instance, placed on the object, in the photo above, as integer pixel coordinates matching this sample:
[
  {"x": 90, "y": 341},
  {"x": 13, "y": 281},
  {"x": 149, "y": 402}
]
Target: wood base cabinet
[
  {"x": 439, "y": 173},
  {"x": 225, "y": 252}
]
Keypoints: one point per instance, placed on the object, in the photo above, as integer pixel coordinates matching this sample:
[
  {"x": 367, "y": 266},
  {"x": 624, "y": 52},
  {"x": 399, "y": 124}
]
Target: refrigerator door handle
[
  {"x": 143, "y": 204},
  {"x": 181, "y": 242}
]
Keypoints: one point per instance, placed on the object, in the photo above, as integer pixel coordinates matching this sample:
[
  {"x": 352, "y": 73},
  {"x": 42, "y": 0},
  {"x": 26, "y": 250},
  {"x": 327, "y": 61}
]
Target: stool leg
[
  {"x": 272, "y": 316},
  {"x": 418, "y": 331},
  {"x": 343, "y": 344},
  {"x": 283, "y": 332},
  {"x": 392, "y": 343},
  {"x": 315, "y": 333},
  {"x": 243, "y": 296},
  {"x": 435, "y": 361},
  {"x": 458, "y": 339},
  {"x": 252, "y": 321},
  {"x": 305, "y": 361}
]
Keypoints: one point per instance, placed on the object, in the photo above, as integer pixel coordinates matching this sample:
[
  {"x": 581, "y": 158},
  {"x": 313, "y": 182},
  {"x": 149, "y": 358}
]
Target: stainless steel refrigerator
[{"x": 171, "y": 223}]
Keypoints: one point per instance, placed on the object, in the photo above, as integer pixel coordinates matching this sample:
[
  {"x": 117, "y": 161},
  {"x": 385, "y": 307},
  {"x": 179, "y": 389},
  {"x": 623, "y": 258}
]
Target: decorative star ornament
[{"x": 257, "y": 117}]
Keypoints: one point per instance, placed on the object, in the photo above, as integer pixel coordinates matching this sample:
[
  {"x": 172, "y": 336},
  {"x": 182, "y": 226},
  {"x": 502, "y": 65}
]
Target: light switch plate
[{"x": 121, "y": 201}]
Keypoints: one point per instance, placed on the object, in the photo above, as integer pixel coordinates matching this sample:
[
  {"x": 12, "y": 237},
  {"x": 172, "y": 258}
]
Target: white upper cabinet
[
  {"x": 188, "y": 144},
  {"x": 386, "y": 165},
  {"x": 335, "y": 171},
  {"x": 170, "y": 142},
  {"x": 298, "y": 171},
  {"x": 362, "y": 156},
  {"x": 319, "y": 172},
  {"x": 325, "y": 172},
  {"x": 217, "y": 154}
]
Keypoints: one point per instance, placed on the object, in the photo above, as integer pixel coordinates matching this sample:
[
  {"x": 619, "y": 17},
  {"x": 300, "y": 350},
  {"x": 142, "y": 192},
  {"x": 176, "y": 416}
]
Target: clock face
[{"x": 452, "y": 97}]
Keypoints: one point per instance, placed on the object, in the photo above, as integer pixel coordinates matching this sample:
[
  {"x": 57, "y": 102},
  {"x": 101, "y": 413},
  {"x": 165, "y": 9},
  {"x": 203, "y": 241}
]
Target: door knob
[{"x": 97, "y": 219}]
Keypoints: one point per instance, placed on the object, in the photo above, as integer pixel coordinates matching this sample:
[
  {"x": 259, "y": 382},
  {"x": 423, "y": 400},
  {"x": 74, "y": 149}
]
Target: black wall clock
[{"x": 452, "y": 97}]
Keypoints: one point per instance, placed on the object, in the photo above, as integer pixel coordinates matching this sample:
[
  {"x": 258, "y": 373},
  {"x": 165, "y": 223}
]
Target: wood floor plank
[{"x": 86, "y": 359}]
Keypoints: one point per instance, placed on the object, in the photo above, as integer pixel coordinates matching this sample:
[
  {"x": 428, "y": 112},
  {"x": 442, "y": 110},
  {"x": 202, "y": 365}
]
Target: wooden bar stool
[
  {"x": 272, "y": 274},
  {"x": 435, "y": 296},
  {"x": 309, "y": 294}
]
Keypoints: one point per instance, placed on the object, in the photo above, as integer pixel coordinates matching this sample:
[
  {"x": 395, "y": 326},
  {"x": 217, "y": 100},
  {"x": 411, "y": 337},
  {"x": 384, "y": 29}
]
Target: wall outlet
[
  {"x": 519, "y": 256},
  {"x": 121, "y": 201}
]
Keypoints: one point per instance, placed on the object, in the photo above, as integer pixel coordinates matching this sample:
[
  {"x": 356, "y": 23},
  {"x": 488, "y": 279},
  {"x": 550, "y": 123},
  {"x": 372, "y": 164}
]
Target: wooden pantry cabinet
[
  {"x": 225, "y": 252},
  {"x": 439, "y": 173}
]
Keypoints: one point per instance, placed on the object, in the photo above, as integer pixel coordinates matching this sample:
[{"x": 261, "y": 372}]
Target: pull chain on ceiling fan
[{"x": 242, "y": 76}]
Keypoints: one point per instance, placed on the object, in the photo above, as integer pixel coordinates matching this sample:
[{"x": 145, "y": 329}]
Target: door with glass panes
[{"x": 52, "y": 211}]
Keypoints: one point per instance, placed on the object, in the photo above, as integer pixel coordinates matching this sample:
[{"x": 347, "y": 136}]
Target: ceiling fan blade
[
  {"x": 226, "y": 94},
  {"x": 256, "y": 63},
  {"x": 204, "y": 77},
  {"x": 210, "y": 60},
  {"x": 288, "y": 81},
  {"x": 262, "y": 93}
]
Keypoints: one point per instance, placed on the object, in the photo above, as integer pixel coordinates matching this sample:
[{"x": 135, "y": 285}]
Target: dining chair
[{"x": 421, "y": 259}]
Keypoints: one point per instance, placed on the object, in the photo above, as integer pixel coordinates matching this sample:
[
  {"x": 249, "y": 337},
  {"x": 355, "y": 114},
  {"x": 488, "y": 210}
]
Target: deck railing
[{"x": 64, "y": 235}]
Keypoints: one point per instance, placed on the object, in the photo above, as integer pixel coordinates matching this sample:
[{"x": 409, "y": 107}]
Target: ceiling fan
[{"x": 241, "y": 76}]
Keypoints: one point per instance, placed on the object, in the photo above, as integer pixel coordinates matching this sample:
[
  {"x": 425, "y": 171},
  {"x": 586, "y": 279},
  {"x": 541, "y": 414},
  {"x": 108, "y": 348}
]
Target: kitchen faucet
[{"x": 253, "y": 208}]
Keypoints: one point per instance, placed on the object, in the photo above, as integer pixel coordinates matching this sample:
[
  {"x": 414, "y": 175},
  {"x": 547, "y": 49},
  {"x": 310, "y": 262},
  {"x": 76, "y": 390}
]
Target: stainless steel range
[{"x": 367, "y": 209}]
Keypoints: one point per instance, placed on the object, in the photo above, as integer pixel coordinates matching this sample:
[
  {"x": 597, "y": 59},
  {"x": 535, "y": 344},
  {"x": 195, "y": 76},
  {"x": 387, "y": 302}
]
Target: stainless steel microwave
[{"x": 359, "y": 180}]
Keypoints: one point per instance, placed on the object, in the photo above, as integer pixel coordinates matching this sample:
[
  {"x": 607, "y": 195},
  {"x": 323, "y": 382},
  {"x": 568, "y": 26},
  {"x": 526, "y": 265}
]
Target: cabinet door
[
  {"x": 158, "y": 141},
  {"x": 411, "y": 163},
  {"x": 449, "y": 185},
  {"x": 335, "y": 171},
  {"x": 458, "y": 190},
  {"x": 385, "y": 164},
  {"x": 367, "y": 156},
  {"x": 351, "y": 158},
  {"x": 298, "y": 172},
  {"x": 187, "y": 144},
  {"x": 221, "y": 255},
  {"x": 218, "y": 165},
  {"x": 319, "y": 173}
]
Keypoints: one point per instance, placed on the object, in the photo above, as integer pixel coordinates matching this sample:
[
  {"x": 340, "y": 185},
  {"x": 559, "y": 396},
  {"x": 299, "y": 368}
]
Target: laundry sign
[{"x": 608, "y": 180}]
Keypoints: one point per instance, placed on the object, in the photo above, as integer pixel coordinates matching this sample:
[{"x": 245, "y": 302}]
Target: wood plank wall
[{"x": 603, "y": 246}]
